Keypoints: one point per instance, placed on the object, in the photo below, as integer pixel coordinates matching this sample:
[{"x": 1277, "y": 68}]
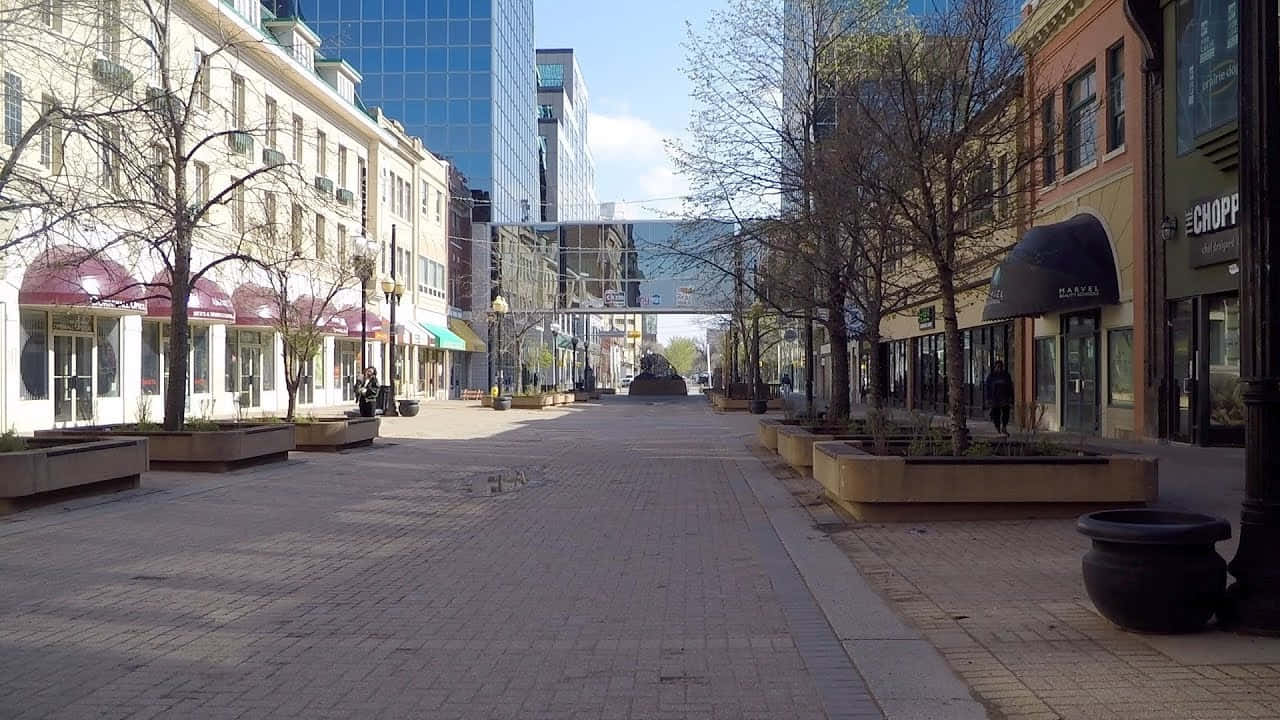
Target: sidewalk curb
[{"x": 908, "y": 678}]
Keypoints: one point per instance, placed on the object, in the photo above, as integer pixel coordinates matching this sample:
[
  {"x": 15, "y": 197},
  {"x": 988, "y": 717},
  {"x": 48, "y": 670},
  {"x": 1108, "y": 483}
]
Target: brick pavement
[
  {"x": 1005, "y": 604},
  {"x": 621, "y": 582}
]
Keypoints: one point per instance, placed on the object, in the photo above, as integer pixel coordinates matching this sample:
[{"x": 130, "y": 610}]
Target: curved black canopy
[{"x": 1055, "y": 268}]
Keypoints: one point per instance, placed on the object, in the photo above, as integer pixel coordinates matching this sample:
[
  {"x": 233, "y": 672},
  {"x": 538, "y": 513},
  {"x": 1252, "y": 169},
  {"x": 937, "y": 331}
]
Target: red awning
[
  {"x": 66, "y": 275},
  {"x": 255, "y": 306},
  {"x": 207, "y": 301},
  {"x": 377, "y": 328},
  {"x": 325, "y": 315}
]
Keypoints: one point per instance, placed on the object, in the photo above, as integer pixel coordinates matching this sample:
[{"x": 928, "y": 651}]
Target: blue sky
[{"x": 630, "y": 55}]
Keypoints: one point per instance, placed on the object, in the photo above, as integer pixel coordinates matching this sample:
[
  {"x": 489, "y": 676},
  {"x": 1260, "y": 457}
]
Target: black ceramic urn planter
[
  {"x": 758, "y": 407},
  {"x": 502, "y": 402},
  {"x": 407, "y": 408},
  {"x": 1155, "y": 571}
]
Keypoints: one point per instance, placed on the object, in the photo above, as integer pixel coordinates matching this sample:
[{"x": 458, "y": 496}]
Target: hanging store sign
[
  {"x": 926, "y": 318},
  {"x": 1212, "y": 225}
]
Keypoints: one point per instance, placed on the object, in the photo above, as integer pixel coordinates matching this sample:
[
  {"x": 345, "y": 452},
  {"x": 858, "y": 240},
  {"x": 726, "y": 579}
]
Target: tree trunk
[
  {"x": 956, "y": 409},
  {"x": 292, "y": 379},
  {"x": 838, "y": 331},
  {"x": 175, "y": 391},
  {"x": 875, "y": 383}
]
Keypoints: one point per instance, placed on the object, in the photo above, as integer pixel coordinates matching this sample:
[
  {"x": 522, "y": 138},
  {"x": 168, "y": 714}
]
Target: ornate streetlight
[
  {"x": 555, "y": 355},
  {"x": 393, "y": 290},
  {"x": 573, "y": 366},
  {"x": 758, "y": 404},
  {"x": 499, "y": 308},
  {"x": 364, "y": 256}
]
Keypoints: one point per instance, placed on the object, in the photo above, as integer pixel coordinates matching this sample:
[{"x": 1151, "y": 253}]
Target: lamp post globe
[{"x": 499, "y": 307}]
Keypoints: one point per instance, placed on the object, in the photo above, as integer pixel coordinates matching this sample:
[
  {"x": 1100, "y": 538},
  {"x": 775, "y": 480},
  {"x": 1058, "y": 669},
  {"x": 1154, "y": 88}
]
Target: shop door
[
  {"x": 1183, "y": 421},
  {"x": 347, "y": 363},
  {"x": 1080, "y": 373},
  {"x": 72, "y": 378},
  {"x": 250, "y": 375}
]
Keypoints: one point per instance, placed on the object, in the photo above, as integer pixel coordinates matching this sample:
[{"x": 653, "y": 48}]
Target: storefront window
[
  {"x": 35, "y": 354},
  {"x": 268, "y": 361},
  {"x": 151, "y": 344},
  {"x": 108, "y": 357},
  {"x": 231, "y": 364},
  {"x": 1120, "y": 367},
  {"x": 199, "y": 359},
  {"x": 1207, "y": 34},
  {"x": 1226, "y": 406},
  {"x": 1046, "y": 370}
]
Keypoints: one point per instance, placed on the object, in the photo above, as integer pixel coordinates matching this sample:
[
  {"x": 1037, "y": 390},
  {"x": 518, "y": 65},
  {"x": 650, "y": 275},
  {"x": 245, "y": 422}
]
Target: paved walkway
[{"x": 627, "y": 559}]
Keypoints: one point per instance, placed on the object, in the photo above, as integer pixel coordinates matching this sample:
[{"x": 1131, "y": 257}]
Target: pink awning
[
  {"x": 67, "y": 275},
  {"x": 325, "y": 315},
  {"x": 255, "y": 306},
  {"x": 377, "y": 329},
  {"x": 208, "y": 301}
]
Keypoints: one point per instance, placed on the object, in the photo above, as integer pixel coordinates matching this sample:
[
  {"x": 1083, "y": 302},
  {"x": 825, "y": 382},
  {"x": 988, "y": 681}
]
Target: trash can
[{"x": 384, "y": 399}]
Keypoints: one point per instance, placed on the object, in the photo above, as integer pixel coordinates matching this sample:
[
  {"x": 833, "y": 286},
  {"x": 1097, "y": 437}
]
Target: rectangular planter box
[
  {"x": 880, "y": 488},
  {"x": 767, "y": 433},
  {"x": 486, "y": 401},
  {"x": 579, "y": 396},
  {"x": 233, "y": 447},
  {"x": 535, "y": 402},
  {"x": 331, "y": 434},
  {"x": 721, "y": 402},
  {"x": 564, "y": 398},
  {"x": 55, "y": 468}
]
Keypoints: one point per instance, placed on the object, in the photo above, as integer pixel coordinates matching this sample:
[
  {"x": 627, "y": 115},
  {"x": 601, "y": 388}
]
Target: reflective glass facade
[{"x": 457, "y": 73}]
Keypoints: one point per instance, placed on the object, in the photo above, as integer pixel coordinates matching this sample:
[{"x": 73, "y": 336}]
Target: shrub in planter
[{"x": 1153, "y": 570}]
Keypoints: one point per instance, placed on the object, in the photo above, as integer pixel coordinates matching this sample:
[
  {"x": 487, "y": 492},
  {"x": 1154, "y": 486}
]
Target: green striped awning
[{"x": 445, "y": 338}]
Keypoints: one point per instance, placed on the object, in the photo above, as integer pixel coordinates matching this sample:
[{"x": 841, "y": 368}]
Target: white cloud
[{"x": 632, "y": 166}]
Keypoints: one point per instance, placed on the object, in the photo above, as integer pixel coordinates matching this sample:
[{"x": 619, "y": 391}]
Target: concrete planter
[
  {"x": 892, "y": 488},
  {"x": 580, "y": 396},
  {"x": 564, "y": 398},
  {"x": 331, "y": 434},
  {"x": 533, "y": 402},
  {"x": 767, "y": 433},
  {"x": 54, "y": 468},
  {"x": 486, "y": 401},
  {"x": 723, "y": 403},
  {"x": 795, "y": 444},
  {"x": 232, "y": 447}
]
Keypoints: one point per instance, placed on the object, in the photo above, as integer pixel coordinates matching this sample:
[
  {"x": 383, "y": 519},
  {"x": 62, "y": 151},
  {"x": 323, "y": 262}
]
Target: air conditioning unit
[{"x": 324, "y": 185}]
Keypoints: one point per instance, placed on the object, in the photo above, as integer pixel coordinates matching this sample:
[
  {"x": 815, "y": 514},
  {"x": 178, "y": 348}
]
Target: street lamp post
[
  {"x": 393, "y": 290},
  {"x": 1254, "y": 599},
  {"x": 758, "y": 404},
  {"x": 573, "y": 366},
  {"x": 363, "y": 251},
  {"x": 555, "y": 356},
  {"x": 500, "y": 308}
]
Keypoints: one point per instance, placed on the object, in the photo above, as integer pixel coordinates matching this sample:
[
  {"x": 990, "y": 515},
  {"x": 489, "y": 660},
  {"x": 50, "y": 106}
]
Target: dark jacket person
[
  {"x": 367, "y": 391},
  {"x": 999, "y": 392}
]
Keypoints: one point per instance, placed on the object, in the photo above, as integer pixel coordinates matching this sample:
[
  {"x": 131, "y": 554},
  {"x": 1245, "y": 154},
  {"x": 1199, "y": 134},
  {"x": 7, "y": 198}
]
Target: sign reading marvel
[{"x": 1213, "y": 215}]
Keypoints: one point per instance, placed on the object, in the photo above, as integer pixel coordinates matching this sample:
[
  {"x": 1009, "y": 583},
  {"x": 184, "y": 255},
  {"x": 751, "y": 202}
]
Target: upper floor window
[
  {"x": 322, "y": 154},
  {"x": 201, "y": 189},
  {"x": 1049, "y": 145},
  {"x": 295, "y": 229},
  {"x": 1115, "y": 97},
  {"x": 297, "y": 139},
  {"x": 321, "y": 240},
  {"x": 239, "y": 114},
  {"x": 202, "y": 80},
  {"x": 109, "y": 29},
  {"x": 550, "y": 76},
  {"x": 12, "y": 109},
  {"x": 1205, "y": 55},
  {"x": 439, "y": 204},
  {"x": 342, "y": 166},
  {"x": 50, "y": 135},
  {"x": 1080, "y": 144},
  {"x": 273, "y": 122},
  {"x": 423, "y": 194},
  {"x": 51, "y": 14},
  {"x": 546, "y": 113}
]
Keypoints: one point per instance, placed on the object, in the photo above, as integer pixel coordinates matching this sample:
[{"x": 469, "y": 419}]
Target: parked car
[{"x": 626, "y": 380}]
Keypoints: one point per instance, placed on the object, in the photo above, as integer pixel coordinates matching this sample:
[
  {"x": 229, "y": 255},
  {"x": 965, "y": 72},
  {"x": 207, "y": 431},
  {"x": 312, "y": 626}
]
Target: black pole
[
  {"x": 501, "y": 368},
  {"x": 393, "y": 300},
  {"x": 489, "y": 387},
  {"x": 1255, "y": 597},
  {"x": 364, "y": 324},
  {"x": 808, "y": 362}
]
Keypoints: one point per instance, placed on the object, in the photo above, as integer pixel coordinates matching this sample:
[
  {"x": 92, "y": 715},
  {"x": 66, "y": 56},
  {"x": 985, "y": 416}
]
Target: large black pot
[
  {"x": 1154, "y": 571},
  {"x": 407, "y": 408},
  {"x": 502, "y": 402},
  {"x": 758, "y": 407}
]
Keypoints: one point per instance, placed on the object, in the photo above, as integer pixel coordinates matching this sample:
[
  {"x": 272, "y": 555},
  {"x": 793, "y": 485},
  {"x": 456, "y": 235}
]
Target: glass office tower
[{"x": 458, "y": 73}]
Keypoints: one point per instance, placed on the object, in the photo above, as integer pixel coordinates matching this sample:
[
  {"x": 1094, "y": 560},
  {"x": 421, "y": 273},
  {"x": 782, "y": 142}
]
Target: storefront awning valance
[
  {"x": 1055, "y": 268},
  {"x": 445, "y": 339},
  {"x": 320, "y": 312},
  {"x": 377, "y": 329},
  {"x": 66, "y": 275},
  {"x": 255, "y": 306},
  {"x": 207, "y": 301},
  {"x": 469, "y": 336}
]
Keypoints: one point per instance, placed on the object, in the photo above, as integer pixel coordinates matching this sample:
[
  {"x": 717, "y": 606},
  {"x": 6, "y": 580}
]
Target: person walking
[
  {"x": 999, "y": 392},
  {"x": 367, "y": 391}
]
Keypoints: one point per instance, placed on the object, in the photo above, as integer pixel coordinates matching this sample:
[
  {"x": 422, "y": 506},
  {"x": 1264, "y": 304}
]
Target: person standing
[
  {"x": 999, "y": 392},
  {"x": 367, "y": 391}
]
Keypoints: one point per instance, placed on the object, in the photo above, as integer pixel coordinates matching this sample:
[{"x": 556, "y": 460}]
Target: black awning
[{"x": 1055, "y": 268}]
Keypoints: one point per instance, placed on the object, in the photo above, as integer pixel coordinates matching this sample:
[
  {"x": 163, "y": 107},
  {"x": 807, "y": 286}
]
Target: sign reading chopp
[{"x": 1212, "y": 225}]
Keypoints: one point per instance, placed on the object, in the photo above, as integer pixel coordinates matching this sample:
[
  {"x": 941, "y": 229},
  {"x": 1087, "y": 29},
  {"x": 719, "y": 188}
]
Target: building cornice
[{"x": 1046, "y": 19}]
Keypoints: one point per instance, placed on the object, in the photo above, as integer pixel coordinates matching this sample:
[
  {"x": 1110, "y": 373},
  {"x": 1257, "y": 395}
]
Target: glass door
[
  {"x": 1182, "y": 357},
  {"x": 1080, "y": 373},
  {"x": 250, "y": 375},
  {"x": 72, "y": 378},
  {"x": 347, "y": 363}
]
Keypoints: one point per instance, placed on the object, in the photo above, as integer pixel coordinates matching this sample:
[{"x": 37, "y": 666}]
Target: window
[
  {"x": 295, "y": 229},
  {"x": 1006, "y": 186},
  {"x": 322, "y": 152},
  {"x": 1046, "y": 351},
  {"x": 12, "y": 109},
  {"x": 546, "y": 113},
  {"x": 297, "y": 139},
  {"x": 237, "y": 205},
  {"x": 202, "y": 80},
  {"x": 439, "y": 203},
  {"x": 1115, "y": 97},
  {"x": 1080, "y": 97},
  {"x": 51, "y": 14},
  {"x": 108, "y": 370},
  {"x": 362, "y": 177},
  {"x": 982, "y": 194},
  {"x": 1205, "y": 58},
  {"x": 151, "y": 361},
  {"x": 550, "y": 76},
  {"x": 50, "y": 135},
  {"x": 200, "y": 359},
  {"x": 34, "y": 341},
  {"x": 273, "y": 120},
  {"x": 109, "y": 30},
  {"x": 1226, "y": 403},
  {"x": 160, "y": 168},
  {"x": 320, "y": 238},
  {"x": 424, "y": 273},
  {"x": 201, "y": 189},
  {"x": 239, "y": 113},
  {"x": 423, "y": 195},
  {"x": 269, "y": 215},
  {"x": 109, "y": 156},
  {"x": 1048, "y": 154},
  {"x": 1120, "y": 367},
  {"x": 342, "y": 245},
  {"x": 342, "y": 166}
]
